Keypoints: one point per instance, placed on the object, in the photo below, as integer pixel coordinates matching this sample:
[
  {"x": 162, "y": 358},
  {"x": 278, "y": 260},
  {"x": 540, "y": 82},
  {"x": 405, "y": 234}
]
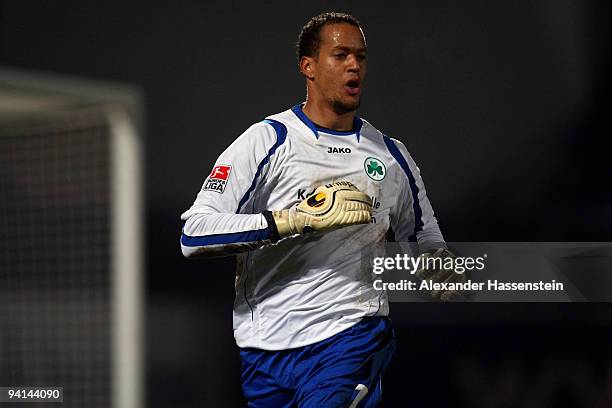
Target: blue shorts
[{"x": 344, "y": 370}]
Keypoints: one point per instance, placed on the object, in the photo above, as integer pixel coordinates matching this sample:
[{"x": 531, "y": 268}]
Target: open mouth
[{"x": 352, "y": 87}]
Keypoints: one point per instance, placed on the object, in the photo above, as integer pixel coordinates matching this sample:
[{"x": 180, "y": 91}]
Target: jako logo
[{"x": 338, "y": 150}]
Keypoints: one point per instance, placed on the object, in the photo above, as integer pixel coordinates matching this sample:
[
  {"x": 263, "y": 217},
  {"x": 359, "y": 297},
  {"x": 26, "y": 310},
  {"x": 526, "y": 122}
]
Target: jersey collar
[{"x": 357, "y": 124}]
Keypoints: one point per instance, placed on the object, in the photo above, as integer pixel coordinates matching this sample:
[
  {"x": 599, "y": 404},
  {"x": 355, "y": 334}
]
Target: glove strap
[{"x": 274, "y": 235}]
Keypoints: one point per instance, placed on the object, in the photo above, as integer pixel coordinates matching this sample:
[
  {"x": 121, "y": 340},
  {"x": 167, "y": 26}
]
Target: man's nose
[{"x": 353, "y": 64}]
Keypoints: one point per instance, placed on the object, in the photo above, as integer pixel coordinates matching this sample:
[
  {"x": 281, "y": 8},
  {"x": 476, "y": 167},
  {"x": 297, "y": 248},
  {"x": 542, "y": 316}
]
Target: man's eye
[
  {"x": 361, "y": 57},
  {"x": 340, "y": 55}
]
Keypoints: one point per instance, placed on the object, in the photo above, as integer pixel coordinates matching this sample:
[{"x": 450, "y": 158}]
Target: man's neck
[{"x": 323, "y": 115}]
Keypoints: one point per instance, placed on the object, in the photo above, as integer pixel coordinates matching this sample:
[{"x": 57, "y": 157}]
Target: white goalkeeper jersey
[{"x": 304, "y": 289}]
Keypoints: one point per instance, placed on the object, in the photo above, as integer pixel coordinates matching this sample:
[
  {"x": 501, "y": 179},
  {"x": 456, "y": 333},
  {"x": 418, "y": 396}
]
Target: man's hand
[
  {"x": 440, "y": 275},
  {"x": 331, "y": 206}
]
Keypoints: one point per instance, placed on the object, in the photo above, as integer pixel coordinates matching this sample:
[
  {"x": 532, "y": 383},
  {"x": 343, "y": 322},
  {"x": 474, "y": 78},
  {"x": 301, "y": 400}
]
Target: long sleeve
[
  {"x": 413, "y": 218},
  {"x": 222, "y": 220}
]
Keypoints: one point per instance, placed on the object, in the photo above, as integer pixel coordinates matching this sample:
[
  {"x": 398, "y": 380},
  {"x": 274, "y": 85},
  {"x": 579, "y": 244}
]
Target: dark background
[{"x": 504, "y": 105}]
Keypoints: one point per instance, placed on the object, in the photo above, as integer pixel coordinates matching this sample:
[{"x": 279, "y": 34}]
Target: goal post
[{"x": 71, "y": 238}]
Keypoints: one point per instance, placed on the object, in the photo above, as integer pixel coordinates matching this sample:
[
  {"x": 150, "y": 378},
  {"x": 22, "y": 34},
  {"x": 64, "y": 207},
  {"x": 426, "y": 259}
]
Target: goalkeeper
[{"x": 297, "y": 198}]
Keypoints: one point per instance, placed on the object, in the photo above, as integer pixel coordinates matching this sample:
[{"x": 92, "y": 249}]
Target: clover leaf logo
[{"x": 375, "y": 169}]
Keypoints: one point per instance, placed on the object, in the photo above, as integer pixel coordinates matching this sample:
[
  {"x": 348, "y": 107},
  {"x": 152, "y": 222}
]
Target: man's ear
[{"x": 308, "y": 67}]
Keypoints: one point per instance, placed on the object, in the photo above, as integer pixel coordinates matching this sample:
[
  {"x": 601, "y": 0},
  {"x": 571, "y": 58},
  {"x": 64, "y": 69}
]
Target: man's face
[{"x": 340, "y": 67}]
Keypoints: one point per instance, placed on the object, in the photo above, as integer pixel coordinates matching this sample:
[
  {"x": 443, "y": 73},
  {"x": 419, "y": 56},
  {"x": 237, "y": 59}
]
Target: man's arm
[
  {"x": 219, "y": 222},
  {"x": 412, "y": 218},
  {"x": 414, "y": 221}
]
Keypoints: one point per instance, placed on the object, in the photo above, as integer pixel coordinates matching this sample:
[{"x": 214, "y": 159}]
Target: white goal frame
[{"x": 24, "y": 93}]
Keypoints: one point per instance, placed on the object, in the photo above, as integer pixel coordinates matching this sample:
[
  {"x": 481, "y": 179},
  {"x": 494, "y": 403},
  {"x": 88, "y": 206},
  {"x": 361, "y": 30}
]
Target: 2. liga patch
[{"x": 218, "y": 179}]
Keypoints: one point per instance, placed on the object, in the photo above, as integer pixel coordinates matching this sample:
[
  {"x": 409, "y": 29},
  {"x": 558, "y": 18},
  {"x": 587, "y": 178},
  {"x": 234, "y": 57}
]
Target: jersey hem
[{"x": 267, "y": 347}]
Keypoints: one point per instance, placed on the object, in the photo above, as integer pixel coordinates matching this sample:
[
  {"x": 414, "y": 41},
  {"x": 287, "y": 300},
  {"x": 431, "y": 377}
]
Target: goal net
[{"x": 69, "y": 255}]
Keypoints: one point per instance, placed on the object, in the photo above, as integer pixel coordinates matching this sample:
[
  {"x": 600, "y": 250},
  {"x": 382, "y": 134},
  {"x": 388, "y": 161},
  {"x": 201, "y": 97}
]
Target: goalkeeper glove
[
  {"x": 331, "y": 206},
  {"x": 440, "y": 275}
]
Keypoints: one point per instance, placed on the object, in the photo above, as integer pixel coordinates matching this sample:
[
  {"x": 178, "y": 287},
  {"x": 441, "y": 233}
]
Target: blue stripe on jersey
[
  {"x": 297, "y": 109},
  {"x": 334, "y": 132},
  {"x": 281, "y": 136},
  {"x": 357, "y": 124},
  {"x": 230, "y": 238},
  {"x": 418, "y": 213}
]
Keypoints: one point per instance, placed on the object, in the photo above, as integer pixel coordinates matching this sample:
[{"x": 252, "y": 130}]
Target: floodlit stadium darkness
[{"x": 505, "y": 107}]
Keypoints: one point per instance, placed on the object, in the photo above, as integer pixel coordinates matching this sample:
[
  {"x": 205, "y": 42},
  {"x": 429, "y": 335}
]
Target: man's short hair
[{"x": 309, "y": 40}]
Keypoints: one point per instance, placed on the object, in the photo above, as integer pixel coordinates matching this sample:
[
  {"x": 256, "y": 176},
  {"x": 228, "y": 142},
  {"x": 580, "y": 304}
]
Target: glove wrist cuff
[
  {"x": 282, "y": 223},
  {"x": 272, "y": 228}
]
